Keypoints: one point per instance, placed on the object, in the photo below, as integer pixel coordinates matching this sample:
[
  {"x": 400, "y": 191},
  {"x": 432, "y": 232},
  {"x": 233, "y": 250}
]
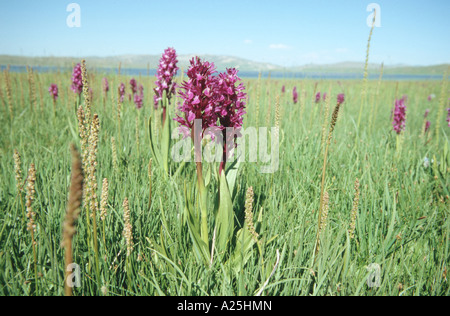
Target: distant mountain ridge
[
  {"x": 358, "y": 67},
  {"x": 137, "y": 62},
  {"x": 221, "y": 62}
]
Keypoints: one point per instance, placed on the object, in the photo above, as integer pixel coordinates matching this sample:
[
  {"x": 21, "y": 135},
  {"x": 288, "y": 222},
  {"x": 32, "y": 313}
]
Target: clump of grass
[
  {"x": 73, "y": 210},
  {"x": 400, "y": 198}
]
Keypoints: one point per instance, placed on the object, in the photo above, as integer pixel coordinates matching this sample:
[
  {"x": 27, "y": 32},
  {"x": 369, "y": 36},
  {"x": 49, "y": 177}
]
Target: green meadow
[{"x": 401, "y": 239}]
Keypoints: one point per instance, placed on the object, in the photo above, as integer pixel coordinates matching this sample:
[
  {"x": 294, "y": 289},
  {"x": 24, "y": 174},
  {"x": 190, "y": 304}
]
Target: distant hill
[
  {"x": 221, "y": 62},
  {"x": 355, "y": 67},
  {"x": 136, "y": 62}
]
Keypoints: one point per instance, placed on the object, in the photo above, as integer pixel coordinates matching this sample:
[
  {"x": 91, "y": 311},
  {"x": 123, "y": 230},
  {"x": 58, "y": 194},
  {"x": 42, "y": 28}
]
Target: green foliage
[{"x": 402, "y": 223}]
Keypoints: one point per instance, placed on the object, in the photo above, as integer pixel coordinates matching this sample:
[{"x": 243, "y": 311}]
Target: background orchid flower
[
  {"x": 77, "y": 79},
  {"x": 399, "y": 113},
  {"x": 167, "y": 70}
]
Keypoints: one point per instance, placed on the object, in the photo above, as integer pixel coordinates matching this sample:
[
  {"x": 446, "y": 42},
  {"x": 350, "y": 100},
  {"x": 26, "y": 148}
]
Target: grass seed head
[
  {"x": 18, "y": 171},
  {"x": 104, "y": 199},
  {"x": 30, "y": 196},
  {"x": 249, "y": 213},
  {"x": 128, "y": 228},
  {"x": 354, "y": 213}
]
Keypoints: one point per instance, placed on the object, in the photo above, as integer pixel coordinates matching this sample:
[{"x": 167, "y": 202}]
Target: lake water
[{"x": 242, "y": 74}]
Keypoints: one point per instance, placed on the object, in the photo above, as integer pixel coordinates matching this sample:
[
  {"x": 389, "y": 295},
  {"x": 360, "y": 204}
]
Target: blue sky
[{"x": 283, "y": 32}]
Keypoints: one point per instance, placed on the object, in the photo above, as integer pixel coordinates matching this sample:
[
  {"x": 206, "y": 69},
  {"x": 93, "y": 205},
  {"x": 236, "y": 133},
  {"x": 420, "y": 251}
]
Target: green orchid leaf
[
  {"x": 224, "y": 216},
  {"x": 231, "y": 175},
  {"x": 165, "y": 143},
  {"x": 201, "y": 249},
  {"x": 154, "y": 148}
]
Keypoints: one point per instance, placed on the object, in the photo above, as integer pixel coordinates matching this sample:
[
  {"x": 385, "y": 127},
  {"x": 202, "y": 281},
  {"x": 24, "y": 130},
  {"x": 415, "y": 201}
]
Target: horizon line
[{"x": 393, "y": 65}]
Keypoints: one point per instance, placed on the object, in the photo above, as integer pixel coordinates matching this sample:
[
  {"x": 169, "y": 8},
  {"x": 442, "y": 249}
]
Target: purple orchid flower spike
[
  {"x": 167, "y": 70},
  {"x": 139, "y": 97},
  {"x": 121, "y": 91},
  {"x": 198, "y": 96},
  {"x": 133, "y": 85},
  {"x": 105, "y": 85},
  {"x": 295, "y": 95},
  {"x": 53, "y": 90},
  {"x": 340, "y": 98},
  {"x": 77, "y": 80},
  {"x": 318, "y": 97},
  {"x": 427, "y": 126},
  {"x": 230, "y": 108},
  {"x": 399, "y": 114},
  {"x": 448, "y": 117}
]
